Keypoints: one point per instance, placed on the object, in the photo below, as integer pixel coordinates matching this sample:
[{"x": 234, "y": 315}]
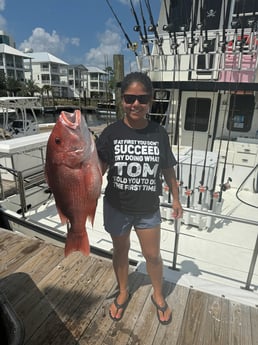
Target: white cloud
[
  {"x": 2, "y": 19},
  {"x": 2, "y": 22},
  {"x": 110, "y": 42},
  {"x": 2, "y": 5},
  {"x": 43, "y": 41}
]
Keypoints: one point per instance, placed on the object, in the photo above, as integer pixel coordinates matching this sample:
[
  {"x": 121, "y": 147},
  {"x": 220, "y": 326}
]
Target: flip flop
[
  {"x": 162, "y": 309},
  {"x": 118, "y": 307}
]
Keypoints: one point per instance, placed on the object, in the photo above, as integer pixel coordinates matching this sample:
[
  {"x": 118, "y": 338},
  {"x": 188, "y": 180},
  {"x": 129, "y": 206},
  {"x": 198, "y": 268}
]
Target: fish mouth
[{"x": 71, "y": 120}]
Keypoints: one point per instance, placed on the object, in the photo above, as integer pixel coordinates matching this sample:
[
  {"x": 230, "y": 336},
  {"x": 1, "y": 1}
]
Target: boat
[
  {"x": 106, "y": 109},
  {"x": 204, "y": 73},
  {"x": 23, "y": 120},
  {"x": 20, "y": 117}
]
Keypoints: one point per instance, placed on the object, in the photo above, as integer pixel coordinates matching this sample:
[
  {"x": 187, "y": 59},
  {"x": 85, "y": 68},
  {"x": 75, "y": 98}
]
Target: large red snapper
[{"x": 74, "y": 176}]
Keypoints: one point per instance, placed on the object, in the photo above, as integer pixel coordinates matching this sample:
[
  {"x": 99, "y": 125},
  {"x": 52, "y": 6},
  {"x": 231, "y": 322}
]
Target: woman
[{"x": 136, "y": 152}]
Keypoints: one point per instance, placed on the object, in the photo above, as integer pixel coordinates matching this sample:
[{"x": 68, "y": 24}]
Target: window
[
  {"x": 197, "y": 114},
  {"x": 240, "y": 113}
]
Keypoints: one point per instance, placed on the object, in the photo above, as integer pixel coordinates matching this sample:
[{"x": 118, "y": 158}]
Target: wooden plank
[
  {"x": 147, "y": 324},
  {"x": 39, "y": 265},
  {"x": 217, "y": 323},
  {"x": 74, "y": 307},
  {"x": 91, "y": 304},
  {"x": 254, "y": 325},
  {"x": 35, "y": 268},
  {"x": 101, "y": 323},
  {"x": 6, "y": 235},
  {"x": 240, "y": 324},
  {"x": 16, "y": 251},
  {"x": 177, "y": 299},
  {"x": 66, "y": 301},
  {"x": 36, "y": 309},
  {"x": 123, "y": 331},
  {"x": 193, "y": 324}
]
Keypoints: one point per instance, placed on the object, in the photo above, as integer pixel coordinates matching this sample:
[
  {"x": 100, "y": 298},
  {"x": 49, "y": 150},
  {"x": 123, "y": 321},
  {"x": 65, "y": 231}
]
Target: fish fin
[
  {"x": 63, "y": 218},
  {"x": 77, "y": 242},
  {"x": 92, "y": 212}
]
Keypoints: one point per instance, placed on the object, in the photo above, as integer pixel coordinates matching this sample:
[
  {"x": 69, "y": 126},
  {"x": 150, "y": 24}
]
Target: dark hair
[{"x": 137, "y": 77}]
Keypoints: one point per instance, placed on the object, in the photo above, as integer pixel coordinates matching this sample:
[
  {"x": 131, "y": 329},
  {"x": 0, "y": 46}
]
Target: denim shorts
[{"x": 118, "y": 223}]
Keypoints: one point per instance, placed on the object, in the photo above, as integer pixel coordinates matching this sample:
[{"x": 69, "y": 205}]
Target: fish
[{"x": 73, "y": 174}]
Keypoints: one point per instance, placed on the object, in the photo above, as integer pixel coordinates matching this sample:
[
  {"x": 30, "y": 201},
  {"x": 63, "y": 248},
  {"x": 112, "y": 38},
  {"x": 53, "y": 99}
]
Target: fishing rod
[
  {"x": 130, "y": 45},
  {"x": 169, "y": 27},
  {"x": 252, "y": 39},
  {"x": 153, "y": 27},
  {"x": 212, "y": 191},
  {"x": 201, "y": 187},
  {"x": 144, "y": 27},
  {"x": 138, "y": 29},
  {"x": 206, "y": 43},
  {"x": 225, "y": 185},
  {"x": 242, "y": 43},
  {"x": 201, "y": 28},
  {"x": 189, "y": 190},
  {"x": 214, "y": 195},
  {"x": 192, "y": 42}
]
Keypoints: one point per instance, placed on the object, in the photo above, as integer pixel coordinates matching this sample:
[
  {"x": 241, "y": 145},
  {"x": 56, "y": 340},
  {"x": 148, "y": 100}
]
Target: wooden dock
[{"x": 65, "y": 301}]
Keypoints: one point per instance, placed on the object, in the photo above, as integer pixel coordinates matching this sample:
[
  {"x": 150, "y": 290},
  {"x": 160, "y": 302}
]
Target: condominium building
[
  {"x": 64, "y": 80},
  {"x": 97, "y": 83},
  {"x": 12, "y": 62},
  {"x": 46, "y": 69}
]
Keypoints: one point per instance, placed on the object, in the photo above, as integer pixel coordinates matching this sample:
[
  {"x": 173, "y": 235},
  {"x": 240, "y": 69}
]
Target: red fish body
[{"x": 74, "y": 176}]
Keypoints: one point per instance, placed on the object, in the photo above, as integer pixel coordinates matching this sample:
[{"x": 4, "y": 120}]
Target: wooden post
[{"x": 118, "y": 62}]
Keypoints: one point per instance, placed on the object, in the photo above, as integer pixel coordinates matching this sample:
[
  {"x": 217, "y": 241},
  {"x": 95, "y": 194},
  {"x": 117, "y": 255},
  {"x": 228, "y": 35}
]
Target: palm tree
[
  {"x": 13, "y": 86},
  {"x": 2, "y": 84},
  {"x": 48, "y": 88},
  {"x": 31, "y": 87}
]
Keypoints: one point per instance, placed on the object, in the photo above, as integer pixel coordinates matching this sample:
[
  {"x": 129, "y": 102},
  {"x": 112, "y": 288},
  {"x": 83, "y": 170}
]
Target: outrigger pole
[
  {"x": 130, "y": 45},
  {"x": 153, "y": 28},
  {"x": 170, "y": 28},
  {"x": 137, "y": 28},
  {"x": 144, "y": 26}
]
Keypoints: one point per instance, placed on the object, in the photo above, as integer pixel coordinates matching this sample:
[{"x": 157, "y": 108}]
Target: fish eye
[{"x": 57, "y": 140}]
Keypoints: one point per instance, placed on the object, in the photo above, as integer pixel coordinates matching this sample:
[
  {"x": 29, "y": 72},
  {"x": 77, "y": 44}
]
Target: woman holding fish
[{"x": 136, "y": 153}]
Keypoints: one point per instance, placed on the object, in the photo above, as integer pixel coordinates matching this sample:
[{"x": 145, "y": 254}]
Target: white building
[
  {"x": 71, "y": 81},
  {"x": 12, "y": 62},
  {"x": 97, "y": 83},
  {"x": 78, "y": 81},
  {"x": 46, "y": 69}
]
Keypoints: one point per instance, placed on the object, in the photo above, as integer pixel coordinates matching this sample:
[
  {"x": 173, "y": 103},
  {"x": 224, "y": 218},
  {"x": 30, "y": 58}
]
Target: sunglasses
[{"x": 130, "y": 99}]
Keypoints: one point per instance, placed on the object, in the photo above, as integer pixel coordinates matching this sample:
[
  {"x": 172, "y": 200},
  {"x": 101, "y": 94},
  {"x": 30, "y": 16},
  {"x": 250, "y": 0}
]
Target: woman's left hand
[{"x": 177, "y": 209}]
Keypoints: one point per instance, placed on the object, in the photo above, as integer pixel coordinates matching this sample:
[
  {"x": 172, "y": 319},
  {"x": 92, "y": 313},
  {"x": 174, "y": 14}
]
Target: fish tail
[{"x": 77, "y": 242}]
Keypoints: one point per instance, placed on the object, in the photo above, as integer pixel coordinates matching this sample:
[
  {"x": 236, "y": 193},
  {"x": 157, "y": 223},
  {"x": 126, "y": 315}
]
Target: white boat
[
  {"x": 204, "y": 73},
  {"x": 19, "y": 117}
]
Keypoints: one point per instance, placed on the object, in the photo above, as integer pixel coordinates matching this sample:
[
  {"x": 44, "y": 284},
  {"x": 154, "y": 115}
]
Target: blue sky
[{"x": 78, "y": 31}]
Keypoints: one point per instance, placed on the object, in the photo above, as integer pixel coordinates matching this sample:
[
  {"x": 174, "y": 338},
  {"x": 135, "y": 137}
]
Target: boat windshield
[{"x": 18, "y": 124}]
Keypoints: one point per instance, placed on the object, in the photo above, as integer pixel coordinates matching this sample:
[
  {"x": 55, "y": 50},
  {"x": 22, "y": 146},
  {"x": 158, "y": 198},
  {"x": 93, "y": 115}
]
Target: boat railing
[
  {"x": 24, "y": 182},
  {"x": 177, "y": 224}
]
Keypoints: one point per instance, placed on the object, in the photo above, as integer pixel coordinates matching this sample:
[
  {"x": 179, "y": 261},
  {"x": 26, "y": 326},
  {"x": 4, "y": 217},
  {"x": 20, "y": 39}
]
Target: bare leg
[
  {"x": 150, "y": 244},
  {"x": 121, "y": 245}
]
